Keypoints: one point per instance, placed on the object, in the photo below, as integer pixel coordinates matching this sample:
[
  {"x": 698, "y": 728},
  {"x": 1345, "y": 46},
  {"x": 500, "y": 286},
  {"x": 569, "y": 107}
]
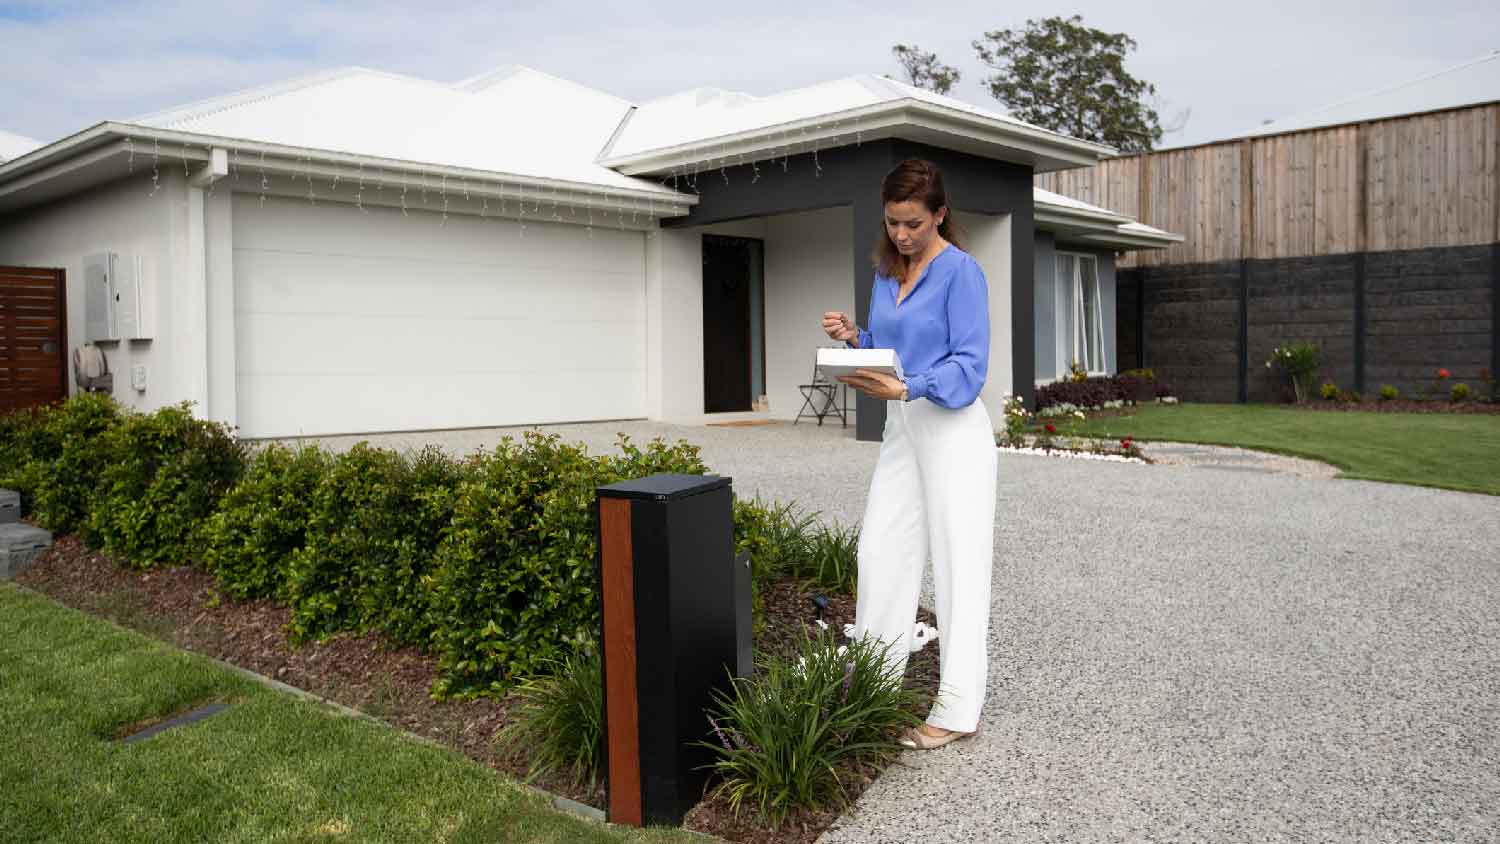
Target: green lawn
[
  {"x": 1453, "y": 451},
  {"x": 271, "y": 768}
]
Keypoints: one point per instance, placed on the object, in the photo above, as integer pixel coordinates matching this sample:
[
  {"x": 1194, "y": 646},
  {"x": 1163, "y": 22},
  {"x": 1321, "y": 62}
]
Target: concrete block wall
[{"x": 1379, "y": 318}]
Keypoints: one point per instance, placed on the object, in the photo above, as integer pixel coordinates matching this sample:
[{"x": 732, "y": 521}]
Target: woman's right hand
[{"x": 840, "y": 327}]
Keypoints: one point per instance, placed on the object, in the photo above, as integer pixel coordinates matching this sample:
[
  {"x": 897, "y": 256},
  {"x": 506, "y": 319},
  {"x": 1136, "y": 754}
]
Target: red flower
[
  {"x": 1051, "y": 429},
  {"x": 1442, "y": 373},
  {"x": 1125, "y": 443}
]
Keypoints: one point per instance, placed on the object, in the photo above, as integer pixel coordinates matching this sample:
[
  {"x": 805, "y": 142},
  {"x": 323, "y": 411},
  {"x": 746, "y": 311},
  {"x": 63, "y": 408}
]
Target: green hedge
[
  {"x": 246, "y": 543},
  {"x": 514, "y": 587},
  {"x": 487, "y": 562},
  {"x": 375, "y": 518},
  {"x": 54, "y": 457},
  {"x": 165, "y": 475}
]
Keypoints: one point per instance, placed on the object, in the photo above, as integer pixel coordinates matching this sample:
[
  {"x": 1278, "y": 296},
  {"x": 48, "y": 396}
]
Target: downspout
[{"x": 195, "y": 288}]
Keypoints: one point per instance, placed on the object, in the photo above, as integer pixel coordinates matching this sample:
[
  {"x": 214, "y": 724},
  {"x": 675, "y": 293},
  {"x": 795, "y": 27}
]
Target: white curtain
[{"x": 1078, "y": 297}]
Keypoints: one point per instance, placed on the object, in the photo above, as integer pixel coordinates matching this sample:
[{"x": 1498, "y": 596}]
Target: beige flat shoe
[{"x": 915, "y": 739}]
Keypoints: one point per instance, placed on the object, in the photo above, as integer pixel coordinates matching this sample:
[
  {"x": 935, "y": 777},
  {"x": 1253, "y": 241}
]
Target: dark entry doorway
[{"x": 733, "y": 323}]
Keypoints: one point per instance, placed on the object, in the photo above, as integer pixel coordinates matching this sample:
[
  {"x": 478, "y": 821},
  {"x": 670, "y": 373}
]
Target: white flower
[{"x": 821, "y": 623}]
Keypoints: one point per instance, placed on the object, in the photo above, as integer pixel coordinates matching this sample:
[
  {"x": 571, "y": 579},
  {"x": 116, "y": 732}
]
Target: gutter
[
  {"x": 109, "y": 139},
  {"x": 877, "y": 120}
]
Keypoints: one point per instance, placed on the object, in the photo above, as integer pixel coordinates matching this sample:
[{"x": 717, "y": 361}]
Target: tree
[
  {"x": 924, "y": 70},
  {"x": 1061, "y": 75}
]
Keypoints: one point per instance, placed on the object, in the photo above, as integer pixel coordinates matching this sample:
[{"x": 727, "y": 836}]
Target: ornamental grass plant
[
  {"x": 558, "y": 725},
  {"x": 790, "y": 737}
]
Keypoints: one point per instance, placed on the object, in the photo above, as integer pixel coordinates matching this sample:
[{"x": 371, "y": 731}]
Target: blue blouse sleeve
[
  {"x": 865, "y": 338},
  {"x": 954, "y": 381}
]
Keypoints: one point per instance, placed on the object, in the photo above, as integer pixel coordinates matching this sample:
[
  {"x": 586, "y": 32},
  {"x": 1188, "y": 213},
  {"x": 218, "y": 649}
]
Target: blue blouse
[{"x": 941, "y": 330}]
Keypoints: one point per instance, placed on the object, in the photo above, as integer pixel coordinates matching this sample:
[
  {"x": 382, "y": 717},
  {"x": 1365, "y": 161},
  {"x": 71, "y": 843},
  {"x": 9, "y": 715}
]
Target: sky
[{"x": 1226, "y": 67}]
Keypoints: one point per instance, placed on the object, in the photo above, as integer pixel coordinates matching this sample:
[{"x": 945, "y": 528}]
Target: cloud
[{"x": 72, "y": 63}]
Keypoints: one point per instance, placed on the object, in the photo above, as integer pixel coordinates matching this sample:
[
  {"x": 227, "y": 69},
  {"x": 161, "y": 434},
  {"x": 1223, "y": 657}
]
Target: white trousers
[{"x": 933, "y": 495}]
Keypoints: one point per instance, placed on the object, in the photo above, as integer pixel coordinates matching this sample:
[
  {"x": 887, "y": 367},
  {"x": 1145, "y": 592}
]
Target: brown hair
[{"x": 918, "y": 179}]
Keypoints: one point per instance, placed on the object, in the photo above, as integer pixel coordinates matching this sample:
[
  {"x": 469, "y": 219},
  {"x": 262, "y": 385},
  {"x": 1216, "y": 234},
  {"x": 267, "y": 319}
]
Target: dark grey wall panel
[
  {"x": 1300, "y": 300},
  {"x": 1428, "y": 309},
  {"x": 1423, "y": 309}
]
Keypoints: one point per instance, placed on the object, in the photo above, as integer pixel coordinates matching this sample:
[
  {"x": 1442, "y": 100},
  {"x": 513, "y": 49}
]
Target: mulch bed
[
  {"x": 181, "y": 605},
  {"x": 1400, "y": 406}
]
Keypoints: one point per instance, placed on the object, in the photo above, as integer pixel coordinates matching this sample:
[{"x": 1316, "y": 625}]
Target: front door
[
  {"x": 730, "y": 272},
  {"x": 32, "y": 331}
]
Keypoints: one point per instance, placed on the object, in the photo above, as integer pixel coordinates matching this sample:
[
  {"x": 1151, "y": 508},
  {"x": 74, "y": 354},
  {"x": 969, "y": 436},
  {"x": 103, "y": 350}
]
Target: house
[
  {"x": 1370, "y": 227},
  {"x": 358, "y": 251},
  {"x": 15, "y": 146}
]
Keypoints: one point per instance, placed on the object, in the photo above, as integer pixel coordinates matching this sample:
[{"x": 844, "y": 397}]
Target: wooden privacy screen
[
  {"x": 1411, "y": 182},
  {"x": 33, "y": 332}
]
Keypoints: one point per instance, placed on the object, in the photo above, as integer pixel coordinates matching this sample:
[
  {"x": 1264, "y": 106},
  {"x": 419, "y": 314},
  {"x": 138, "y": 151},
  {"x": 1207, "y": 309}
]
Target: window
[{"x": 1078, "y": 275}]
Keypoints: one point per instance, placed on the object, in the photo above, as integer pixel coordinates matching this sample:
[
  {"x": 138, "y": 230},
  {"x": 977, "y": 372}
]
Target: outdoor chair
[{"x": 823, "y": 398}]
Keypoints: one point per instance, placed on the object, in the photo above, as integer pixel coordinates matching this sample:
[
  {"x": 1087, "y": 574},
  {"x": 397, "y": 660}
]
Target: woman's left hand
[{"x": 876, "y": 385}]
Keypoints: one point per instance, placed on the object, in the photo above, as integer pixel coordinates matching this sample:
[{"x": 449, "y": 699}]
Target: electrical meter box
[{"x": 113, "y": 297}]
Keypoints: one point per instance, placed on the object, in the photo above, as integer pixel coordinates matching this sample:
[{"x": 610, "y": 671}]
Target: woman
[{"x": 933, "y": 493}]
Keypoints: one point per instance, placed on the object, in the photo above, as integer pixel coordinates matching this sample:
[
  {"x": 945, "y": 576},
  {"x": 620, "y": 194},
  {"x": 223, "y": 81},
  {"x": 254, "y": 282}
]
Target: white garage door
[{"x": 350, "y": 322}]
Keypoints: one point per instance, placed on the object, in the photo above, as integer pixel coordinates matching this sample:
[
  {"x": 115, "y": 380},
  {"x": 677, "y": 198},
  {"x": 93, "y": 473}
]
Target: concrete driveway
[{"x": 1187, "y": 653}]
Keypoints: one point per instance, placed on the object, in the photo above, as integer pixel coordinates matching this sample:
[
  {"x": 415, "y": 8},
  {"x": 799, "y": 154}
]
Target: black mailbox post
[{"x": 676, "y": 608}]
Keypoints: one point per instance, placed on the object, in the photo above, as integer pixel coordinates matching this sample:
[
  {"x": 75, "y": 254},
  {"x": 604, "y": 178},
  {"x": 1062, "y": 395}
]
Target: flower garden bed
[{"x": 1377, "y": 405}]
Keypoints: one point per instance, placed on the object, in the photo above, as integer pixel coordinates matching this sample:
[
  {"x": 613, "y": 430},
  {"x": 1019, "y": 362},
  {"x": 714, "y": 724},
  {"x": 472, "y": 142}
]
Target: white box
[
  {"x": 112, "y": 298},
  {"x": 835, "y": 362},
  {"x": 99, "y": 297}
]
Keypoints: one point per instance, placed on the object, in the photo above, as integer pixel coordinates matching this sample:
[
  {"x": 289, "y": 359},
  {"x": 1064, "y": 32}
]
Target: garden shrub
[
  {"x": 832, "y": 560},
  {"x": 248, "y": 542},
  {"x": 1329, "y": 391},
  {"x": 1135, "y": 385},
  {"x": 1299, "y": 362},
  {"x": 56, "y": 455},
  {"x": 1128, "y": 387},
  {"x": 775, "y": 535},
  {"x": 374, "y": 521},
  {"x": 514, "y": 587},
  {"x": 165, "y": 474},
  {"x": 781, "y": 737},
  {"x": 1460, "y": 392},
  {"x": 1388, "y": 392},
  {"x": 1091, "y": 392},
  {"x": 1014, "y": 433},
  {"x": 558, "y": 723},
  {"x": 24, "y": 439}
]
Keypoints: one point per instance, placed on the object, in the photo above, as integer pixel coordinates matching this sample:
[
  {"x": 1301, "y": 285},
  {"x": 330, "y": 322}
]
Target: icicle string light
[{"x": 155, "y": 166}]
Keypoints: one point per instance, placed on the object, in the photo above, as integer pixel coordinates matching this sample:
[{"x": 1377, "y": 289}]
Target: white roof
[
  {"x": 709, "y": 124},
  {"x": 1471, "y": 83},
  {"x": 705, "y": 113},
  {"x": 514, "y": 120},
  {"x": 1074, "y": 220},
  {"x": 15, "y": 146},
  {"x": 519, "y": 122}
]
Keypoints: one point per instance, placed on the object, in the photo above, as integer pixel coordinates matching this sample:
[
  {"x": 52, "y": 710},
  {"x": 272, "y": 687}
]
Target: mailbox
[{"x": 676, "y": 610}]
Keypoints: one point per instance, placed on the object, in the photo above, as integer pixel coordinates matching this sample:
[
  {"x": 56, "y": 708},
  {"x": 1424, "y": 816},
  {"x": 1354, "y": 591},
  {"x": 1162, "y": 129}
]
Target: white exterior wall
[
  {"x": 808, "y": 271},
  {"x": 674, "y": 318},
  {"x": 379, "y": 321},
  {"x": 989, "y": 243},
  {"x": 125, "y": 218}
]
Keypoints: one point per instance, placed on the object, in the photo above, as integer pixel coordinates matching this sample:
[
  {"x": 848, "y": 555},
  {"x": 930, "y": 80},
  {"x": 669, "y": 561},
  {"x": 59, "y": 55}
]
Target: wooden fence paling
[{"x": 1410, "y": 182}]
